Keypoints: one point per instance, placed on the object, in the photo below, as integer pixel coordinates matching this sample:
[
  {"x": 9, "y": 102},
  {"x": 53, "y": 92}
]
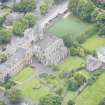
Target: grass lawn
[
  {"x": 24, "y": 74},
  {"x": 92, "y": 95},
  {"x": 70, "y": 63},
  {"x": 33, "y": 89},
  {"x": 94, "y": 43},
  {"x": 70, "y": 25}
]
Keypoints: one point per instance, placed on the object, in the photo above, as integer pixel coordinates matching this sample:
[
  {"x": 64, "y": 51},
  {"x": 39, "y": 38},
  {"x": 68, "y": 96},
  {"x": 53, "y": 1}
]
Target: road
[{"x": 53, "y": 13}]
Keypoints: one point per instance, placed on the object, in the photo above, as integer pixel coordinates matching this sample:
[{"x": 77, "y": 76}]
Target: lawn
[
  {"x": 30, "y": 85},
  {"x": 71, "y": 25},
  {"x": 92, "y": 95},
  {"x": 33, "y": 89},
  {"x": 70, "y": 63},
  {"x": 94, "y": 42},
  {"x": 24, "y": 74}
]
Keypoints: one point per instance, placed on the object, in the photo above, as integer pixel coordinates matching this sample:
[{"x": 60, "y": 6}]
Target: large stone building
[
  {"x": 15, "y": 63},
  {"x": 50, "y": 50}
]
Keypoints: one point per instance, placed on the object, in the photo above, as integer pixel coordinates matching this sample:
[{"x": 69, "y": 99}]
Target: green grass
[
  {"x": 71, "y": 25},
  {"x": 34, "y": 90},
  {"x": 23, "y": 75},
  {"x": 70, "y": 63},
  {"x": 92, "y": 95},
  {"x": 94, "y": 42}
]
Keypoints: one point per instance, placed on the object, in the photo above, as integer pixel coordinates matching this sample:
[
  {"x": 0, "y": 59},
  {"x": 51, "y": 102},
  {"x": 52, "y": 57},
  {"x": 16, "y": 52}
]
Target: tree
[
  {"x": 1, "y": 21},
  {"x": 71, "y": 102},
  {"x": 85, "y": 9},
  {"x": 19, "y": 26},
  {"x": 31, "y": 18},
  {"x": 5, "y": 35},
  {"x": 44, "y": 8},
  {"x": 14, "y": 95},
  {"x": 2, "y": 103},
  {"x": 59, "y": 1},
  {"x": 25, "y": 6},
  {"x": 73, "y": 85},
  {"x": 101, "y": 23},
  {"x": 101, "y": 19},
  {"x": 102, "y": 102},
  {"x": 81, "y": 79},
  {"x": 50, "y": 100},
  {"x": 69, "y": 41},
  {"x": 3, "y": 57},
  {"x": 73, "y": 6},
  {"x": 73, "y": 51}
]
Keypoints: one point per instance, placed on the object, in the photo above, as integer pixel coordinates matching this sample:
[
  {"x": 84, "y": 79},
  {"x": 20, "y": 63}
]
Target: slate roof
[{"x": 47, "y": 41}]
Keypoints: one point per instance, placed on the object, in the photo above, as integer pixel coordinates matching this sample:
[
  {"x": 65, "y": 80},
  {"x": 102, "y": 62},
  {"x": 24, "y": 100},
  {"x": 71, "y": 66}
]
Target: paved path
[{"x": 52, "y": 13}]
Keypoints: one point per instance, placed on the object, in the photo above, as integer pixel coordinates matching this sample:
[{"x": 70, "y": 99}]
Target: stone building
[
  {"x": 15, "y": 63},
  {"x": 92, "y": 63},
  {"x": 50, "y": 50}
]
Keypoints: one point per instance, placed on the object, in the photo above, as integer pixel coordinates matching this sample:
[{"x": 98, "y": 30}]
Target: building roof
[{"x": 47, "y": 41}]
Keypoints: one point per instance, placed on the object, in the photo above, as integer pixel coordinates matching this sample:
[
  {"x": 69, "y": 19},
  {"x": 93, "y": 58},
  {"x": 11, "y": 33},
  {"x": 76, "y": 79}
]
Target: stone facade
[
  {"x": 15, "y": 63},
  {"x": 50, "y": 50},
  {"x": 92, "y": 63}
]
